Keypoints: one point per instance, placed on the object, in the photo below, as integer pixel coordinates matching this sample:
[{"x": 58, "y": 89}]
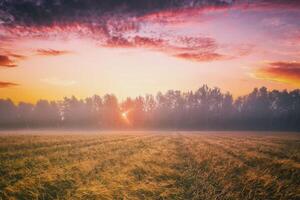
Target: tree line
[{"x": 205, "y": 108}]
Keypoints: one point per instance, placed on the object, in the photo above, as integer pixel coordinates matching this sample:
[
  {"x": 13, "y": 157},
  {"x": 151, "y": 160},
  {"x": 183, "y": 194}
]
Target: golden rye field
[{"x": 149, "y": 165}]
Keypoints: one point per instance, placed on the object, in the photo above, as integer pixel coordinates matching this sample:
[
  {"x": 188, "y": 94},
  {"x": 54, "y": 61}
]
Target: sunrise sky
[{"x": 52, "y": 49}]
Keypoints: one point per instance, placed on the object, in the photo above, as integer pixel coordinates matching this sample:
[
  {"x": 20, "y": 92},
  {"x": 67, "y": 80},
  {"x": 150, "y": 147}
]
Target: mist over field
[{"x": 205, "y": 108}]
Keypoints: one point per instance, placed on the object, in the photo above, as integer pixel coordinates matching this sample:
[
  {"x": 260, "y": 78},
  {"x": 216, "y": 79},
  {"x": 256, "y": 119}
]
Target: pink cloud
[{"x": 51, "y": 52}]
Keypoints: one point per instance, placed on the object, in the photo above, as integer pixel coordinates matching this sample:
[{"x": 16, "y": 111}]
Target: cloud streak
[
  {"x": 7, "y": 84},
  {"x": 201, "y": 57},
  {"x": 51, "y": 52},
  {"x": 5, "y": 61},
  {"x": 288, "y": 72}
]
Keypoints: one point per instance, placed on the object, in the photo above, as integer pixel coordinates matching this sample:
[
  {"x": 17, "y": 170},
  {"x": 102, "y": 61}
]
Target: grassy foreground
[{"x": 149, "y": 165}]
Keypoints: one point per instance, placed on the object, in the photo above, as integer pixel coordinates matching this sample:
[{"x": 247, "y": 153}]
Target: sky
[{"x": 55, "y": 48}]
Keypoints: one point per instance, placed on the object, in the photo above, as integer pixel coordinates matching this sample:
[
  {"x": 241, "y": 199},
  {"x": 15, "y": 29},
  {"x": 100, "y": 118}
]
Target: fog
[{"x": 204, "y": 109}]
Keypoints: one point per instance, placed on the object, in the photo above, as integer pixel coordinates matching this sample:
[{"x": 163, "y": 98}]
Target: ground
[{"x": 149, "y": 165}]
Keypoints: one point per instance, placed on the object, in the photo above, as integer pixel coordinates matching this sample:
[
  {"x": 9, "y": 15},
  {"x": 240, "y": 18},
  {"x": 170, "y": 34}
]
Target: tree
[{"x": 206, "y": 108}]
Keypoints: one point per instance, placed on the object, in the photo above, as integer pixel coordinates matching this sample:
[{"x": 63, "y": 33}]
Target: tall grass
[{"x": 149, "y": 165}]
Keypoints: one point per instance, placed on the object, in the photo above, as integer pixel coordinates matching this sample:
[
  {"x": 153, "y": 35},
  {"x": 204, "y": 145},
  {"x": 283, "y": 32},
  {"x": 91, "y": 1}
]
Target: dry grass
[{"x": 149, "y": 165}]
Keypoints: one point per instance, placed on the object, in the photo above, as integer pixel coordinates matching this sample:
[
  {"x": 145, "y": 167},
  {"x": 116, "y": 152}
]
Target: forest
[{"x": 204, "y": 109}]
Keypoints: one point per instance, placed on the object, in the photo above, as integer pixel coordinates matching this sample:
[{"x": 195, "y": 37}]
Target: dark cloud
[
  {"x": 118, "y": 23},
  {"x": 5, "y": 61},
  {"x": 101, "y": 19},
  {"x": 89, "y": 18},
  {"x": 109, "y": 15},
  {"x": 280, "y": 2},
  {"x": 45, "y": 12},
  {"x": 7, "y": 84},
  {"x": 281, "y": 71},
  {"x": 51, "y": 52}
]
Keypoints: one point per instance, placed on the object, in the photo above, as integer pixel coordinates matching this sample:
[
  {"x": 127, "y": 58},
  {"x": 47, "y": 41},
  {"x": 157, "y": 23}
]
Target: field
[{"x": 149, "y": 165}]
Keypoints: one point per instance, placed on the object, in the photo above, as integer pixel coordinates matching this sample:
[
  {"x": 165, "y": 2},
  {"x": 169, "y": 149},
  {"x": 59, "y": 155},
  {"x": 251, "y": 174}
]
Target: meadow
[{"x": 149, "y": 165}]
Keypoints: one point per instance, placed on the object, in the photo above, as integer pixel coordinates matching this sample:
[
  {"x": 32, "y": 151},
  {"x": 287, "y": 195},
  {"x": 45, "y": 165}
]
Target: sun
[{"x": 124, "y": 115}]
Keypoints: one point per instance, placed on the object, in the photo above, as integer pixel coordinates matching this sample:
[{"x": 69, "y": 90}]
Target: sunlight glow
[{"x": 125, "y": 117}]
